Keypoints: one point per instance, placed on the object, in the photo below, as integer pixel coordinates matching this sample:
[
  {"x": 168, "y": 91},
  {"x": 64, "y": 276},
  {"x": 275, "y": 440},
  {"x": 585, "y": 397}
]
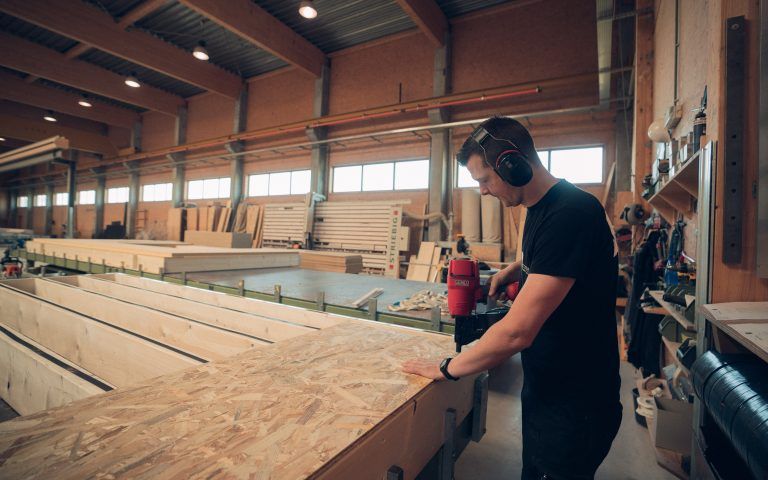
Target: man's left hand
[{"x": 425, "y": 368}]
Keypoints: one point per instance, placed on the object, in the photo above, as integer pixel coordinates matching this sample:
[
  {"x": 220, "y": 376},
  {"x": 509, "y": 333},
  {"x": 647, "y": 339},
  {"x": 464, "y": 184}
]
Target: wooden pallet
[{"x": 326, "y": 400}]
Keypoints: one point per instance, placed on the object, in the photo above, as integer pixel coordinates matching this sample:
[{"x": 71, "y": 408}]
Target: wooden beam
[
  {"x": 30, "y": 382},
  {"x": 198, "y": 339},
  {"x": 429, "y": 17},
  {"x": 251, "y": 22},
  {"x": 34, "y": 59},
  {"x": 301, "y": 316},
  {"x": 141, "y": 11},
  {"x": 263, "y": 328},
  {"x": 16, "y": 89},
  {"x": 641, "y": 145},
  {"x": 95, "y": 28},
  {"x": 86, "y": 342},
  {"x": 34, "y": 131}
]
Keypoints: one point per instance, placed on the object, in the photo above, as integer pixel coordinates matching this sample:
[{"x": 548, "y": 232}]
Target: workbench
[{"x": 338, "y": 288}]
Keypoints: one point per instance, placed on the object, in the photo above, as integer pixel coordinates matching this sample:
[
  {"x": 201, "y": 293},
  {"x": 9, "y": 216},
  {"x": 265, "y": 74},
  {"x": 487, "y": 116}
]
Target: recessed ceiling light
[
  {"x": 49, "y": 117},
  {"x": 200, "y": 52},
  {"x": 307, "y": 10},
  {"x": 85, "y": 102},
  {"x": 132, "y": 81}
]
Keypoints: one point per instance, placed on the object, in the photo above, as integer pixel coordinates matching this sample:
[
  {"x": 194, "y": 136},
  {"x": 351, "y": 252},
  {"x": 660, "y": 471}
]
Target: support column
[
  {"x": 236, "y": 167},
  {"x": 643, "y": 108},
  {"x": 133, "y": 198},
  {"x": 439, "y": 151},
  {"x": 179, "y": 173},
  {"x": 320, "y": 153},
  {"x": 28, "y": 219},
  {"x": 48, "y": 209},
  {"x": 101, "y": 184},
  {"x": 13, "y": 198},
  {"x": 136, "y": 135},
  {"x": 71, "y": 192}
]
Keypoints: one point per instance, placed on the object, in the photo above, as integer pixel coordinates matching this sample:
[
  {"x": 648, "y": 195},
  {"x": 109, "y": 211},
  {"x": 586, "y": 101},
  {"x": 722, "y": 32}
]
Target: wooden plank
[
  {"x": 195, "y": 338},
  {"x": 423, "y": 262},
  {"x": 218, "y": 239},
  {"x": 263, "y": 328},
  {"x": 319, "y": 397},
  {"x": 16, "y": 89},
  {"x": 87, "y": 342},
  {"x": 30, "y": 382},
  {"x": 35, "y": 59},
  {"x": 175, "y": 225},
  {"x": 256, "y": 25},
  {"x": 300, "y": 316},
  {"x": 192, "y": 218},
  {"x": 94, "y": 27}
]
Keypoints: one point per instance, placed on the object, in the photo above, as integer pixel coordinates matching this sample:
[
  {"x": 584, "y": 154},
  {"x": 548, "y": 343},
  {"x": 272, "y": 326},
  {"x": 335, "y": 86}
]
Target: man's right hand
[{"x": 504, "y": 277}]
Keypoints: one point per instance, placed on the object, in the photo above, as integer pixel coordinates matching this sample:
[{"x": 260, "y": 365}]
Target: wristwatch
[{"x": 444, "y": 369}]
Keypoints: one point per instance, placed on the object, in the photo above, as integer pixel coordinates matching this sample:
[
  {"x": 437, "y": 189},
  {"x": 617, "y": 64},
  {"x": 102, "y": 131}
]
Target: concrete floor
[{"x": 498, "y": 455}]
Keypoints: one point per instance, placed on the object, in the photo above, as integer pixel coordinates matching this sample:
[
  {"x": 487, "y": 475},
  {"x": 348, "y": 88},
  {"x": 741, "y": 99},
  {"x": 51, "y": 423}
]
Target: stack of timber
[
  {"x": 372, "y": 229},
  {"x": 162, "y": 257},
  {"x": 330, "y": 261},
  {"x": 208, "y": 384},
  {"x": 223, "y": 226},
  {"x": 427, "y": 265}
]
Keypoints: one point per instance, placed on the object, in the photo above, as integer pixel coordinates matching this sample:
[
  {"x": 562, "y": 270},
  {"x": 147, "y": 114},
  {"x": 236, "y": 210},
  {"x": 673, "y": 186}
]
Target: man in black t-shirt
[{"x": 563, "y": 318}]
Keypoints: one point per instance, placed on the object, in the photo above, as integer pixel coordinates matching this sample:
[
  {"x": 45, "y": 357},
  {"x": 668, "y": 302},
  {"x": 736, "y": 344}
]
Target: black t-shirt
[{"x": 574, "y": 358}]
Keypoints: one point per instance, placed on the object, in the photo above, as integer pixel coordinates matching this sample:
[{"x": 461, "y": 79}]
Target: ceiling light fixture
[
  {"x": 307, "y": 10},
  {"x": 48, "y": 117},
  {"x": 132, "y": 81},
  {"x": 2, "y": 139},
  {"x": 85, "y": 101},
  {"x": 200, "y": 52}
]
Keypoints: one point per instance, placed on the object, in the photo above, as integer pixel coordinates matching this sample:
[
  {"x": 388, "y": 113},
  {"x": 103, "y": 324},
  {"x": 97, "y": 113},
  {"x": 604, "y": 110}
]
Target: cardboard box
[{"x": 673, "y": 425}]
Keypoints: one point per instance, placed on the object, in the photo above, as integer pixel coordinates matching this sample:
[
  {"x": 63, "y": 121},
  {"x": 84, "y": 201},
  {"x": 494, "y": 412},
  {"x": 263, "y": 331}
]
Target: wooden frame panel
[
  {"x": 30, "y": 383},
  {"x": 288, "y": 313},
  {"x": 198, "y": 339},
  {"x": 268, "y": 329},
  {"x": 119, "y": 358}
]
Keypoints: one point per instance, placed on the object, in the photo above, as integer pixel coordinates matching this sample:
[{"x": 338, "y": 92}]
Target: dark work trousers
[{"x": 566, "y": 441}]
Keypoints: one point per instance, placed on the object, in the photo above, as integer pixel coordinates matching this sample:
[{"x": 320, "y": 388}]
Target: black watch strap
[{"x": 444, "y": 369}]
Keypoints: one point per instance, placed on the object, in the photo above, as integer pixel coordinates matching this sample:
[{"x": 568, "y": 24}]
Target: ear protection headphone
[{"x": 511, "y": 164}]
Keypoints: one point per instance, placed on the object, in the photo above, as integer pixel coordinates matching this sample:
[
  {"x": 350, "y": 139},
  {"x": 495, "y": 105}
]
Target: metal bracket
[
  {"x": 278, "y": 294},
  {"x": 321, "y": 301},
  {"x": 436, "y": 318},
  {"x": 373, "y": 309},
  {"x": 734, "y": 139},
  {"x": 241, "y": 288},
  {"x": 480, "y": 407},
  {"x": 447, "y": 456},
  {"x": 183, "y": 278}
]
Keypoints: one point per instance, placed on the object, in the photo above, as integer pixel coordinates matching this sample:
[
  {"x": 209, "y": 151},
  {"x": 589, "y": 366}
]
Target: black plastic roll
[{"x": 734, "y": 389}]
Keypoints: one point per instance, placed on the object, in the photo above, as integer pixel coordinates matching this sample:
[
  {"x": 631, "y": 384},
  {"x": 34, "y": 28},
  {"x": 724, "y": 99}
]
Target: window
[
  {"x": 40, "y": 200},
  {"x": 373, "y": 177},
  {"x": 117, "y": 195},
  {"x": 22, "y": 202},
  {"x": 279, "y": 183},
  {"x": 577, "y": 165},
  {"x": 412, "y": 175},
  {"x": 158, "y": 192},
  {"x": 208, "y": 188},
  {"x": 86, "y": 197},
  {"x": 347, "y": 179},
  {"x": 61, "y": 198},
  {"x": 378, "y": 176}
]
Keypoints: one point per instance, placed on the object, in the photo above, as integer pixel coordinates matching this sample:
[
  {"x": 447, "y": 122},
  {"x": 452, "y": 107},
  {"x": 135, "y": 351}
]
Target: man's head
[{"x": 480, "y": 159}]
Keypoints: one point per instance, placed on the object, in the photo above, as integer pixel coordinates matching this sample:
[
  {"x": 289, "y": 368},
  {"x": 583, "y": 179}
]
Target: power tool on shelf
[{"x": 464, "y": 293}]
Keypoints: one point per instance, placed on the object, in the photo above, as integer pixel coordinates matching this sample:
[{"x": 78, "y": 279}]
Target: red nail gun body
[{"x": 464, "y": 293}]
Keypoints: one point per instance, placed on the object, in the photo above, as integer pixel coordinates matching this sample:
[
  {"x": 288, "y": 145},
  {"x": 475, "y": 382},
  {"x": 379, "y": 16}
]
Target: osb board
[
  {"x": 281, "y": 411},
  {"x": 745, "y": 322}
]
